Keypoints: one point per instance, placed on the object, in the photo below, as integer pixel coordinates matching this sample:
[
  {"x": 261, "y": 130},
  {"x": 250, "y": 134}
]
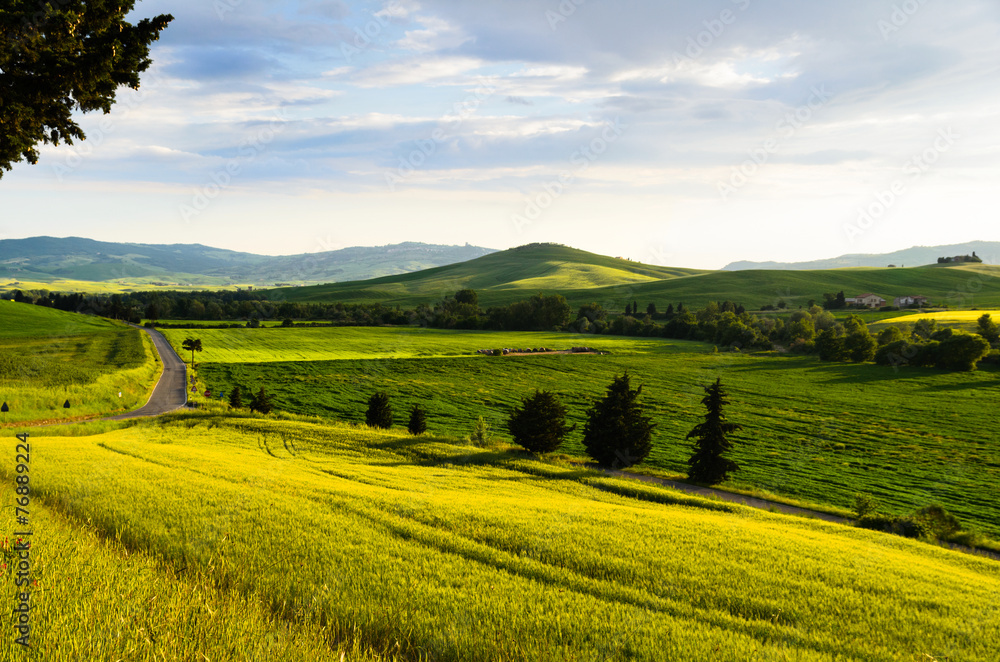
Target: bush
[
  {"x": 482, "y": 433},
  {"x": 908, "y": 527},
  {"x": 865, "y": 505},
  {"x": 539, "y": 424},
  {"x": 379, "y": 414}
]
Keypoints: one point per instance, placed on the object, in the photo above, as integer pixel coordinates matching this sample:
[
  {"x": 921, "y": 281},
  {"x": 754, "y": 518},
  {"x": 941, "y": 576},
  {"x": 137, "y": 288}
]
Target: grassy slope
[
  {"x": 815, "y": 431},
  {"x": 584, "y": 277},
  {"x": 499, "y": 278},
  {"x": 48, "y": 357},
  {"x": 391, "y": 542}
]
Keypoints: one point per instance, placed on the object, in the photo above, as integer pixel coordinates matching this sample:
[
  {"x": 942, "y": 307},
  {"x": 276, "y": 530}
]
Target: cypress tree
[
  {"x": 261, "y": 402},
  {"x": 617, "y": 434},
  {"x": 236, "y": 398},
  {"x": 418, "y": 420},
  {"x": 708, "y": 463},
  {"x": 539, "y": 424},
  {"x": 379, "y": 413}
]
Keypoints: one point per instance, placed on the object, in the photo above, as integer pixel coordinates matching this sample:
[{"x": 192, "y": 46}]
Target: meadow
[
  {"x": 49, "y": 357},
  {"x": 225, "y": 537},
  {"x": 946, "y": 317},
  {"x": 816, "y": 432}
]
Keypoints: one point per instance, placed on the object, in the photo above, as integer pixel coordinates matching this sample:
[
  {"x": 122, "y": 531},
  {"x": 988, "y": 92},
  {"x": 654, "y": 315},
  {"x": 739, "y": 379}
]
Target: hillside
[
  {"x": 498, "y": 278},
  {"x": 48, "y": 259},
  {"x": 214, "y": 535},
  {"x": 584, "y": 277},
  {"x": 913, "y": 257}
]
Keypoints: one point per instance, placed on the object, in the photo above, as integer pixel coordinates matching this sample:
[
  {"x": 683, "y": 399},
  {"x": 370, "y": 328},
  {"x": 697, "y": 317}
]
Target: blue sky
[{"x": 682, "y": 133}]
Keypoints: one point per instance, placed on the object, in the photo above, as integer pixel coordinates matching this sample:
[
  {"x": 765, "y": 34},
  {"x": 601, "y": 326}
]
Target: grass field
[
  {"x": 228, "y": 538},
  {"x": 819, "y": 432},
  {"x": 49, "y": 357}
]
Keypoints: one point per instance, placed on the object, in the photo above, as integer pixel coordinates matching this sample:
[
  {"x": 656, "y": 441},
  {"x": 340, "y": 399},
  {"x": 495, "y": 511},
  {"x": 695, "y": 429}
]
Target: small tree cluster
[{"x": 616, "y": 433}]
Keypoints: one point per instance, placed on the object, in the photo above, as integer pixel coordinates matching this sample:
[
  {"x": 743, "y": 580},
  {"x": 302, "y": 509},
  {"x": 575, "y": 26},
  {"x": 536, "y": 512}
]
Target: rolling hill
[
  {"x": 52, "y": 260},
  {"x": 915, "y": 256},
  {"x": 583, "y": 277},
  {"x": 498, "y": 278}
]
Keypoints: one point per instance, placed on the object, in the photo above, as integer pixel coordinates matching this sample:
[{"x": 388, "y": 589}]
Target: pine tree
[
  {"x": 707, "y": 463},
  {"x": 236, "y": 398},
  {"x": 379, "y": 413},
  {"x": 418, "y": 420},
  {"x": 539, "y": 424},
  {"x": 617, "y": 434}
]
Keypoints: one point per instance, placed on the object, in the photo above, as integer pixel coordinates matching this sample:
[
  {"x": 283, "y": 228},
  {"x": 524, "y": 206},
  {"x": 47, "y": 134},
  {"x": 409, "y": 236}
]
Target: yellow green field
[
  {"x": 215, "y": 537},
  {"x": 946, "y": 317},
  {"x": 49, "y": 357}
]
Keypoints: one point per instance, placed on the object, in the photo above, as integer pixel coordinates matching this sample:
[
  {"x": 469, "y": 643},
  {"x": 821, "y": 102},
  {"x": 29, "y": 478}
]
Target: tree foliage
[
  {"x": 418, "y": 421},
  {"x": 236, "y": 397},
  {"x": 192, "y": 345},
  {"x": 616, "y": 433},
  {"x": 62, "y": 56},
  {"x": 261, "y": 402},
  {"x": 539, "y": 424},
  {"x": 708, "y": 464},
  {"x": 379, "y": 414}
]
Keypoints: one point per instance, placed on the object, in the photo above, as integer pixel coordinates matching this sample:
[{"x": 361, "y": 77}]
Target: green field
[
  {"x": 819, "y": 432},
  {"x": 502, "y": 278},
  {"x": 49, "y": 357},
  {"x": 208, "y": 537}
]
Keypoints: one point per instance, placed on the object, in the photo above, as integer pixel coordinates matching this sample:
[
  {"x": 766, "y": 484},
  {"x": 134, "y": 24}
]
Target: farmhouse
[
  {"x": 866, "y": 300},
  {"x": 903, "y": 302}
]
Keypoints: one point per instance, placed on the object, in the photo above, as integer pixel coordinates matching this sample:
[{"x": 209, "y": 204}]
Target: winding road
[{"x": 170, "y": 392}]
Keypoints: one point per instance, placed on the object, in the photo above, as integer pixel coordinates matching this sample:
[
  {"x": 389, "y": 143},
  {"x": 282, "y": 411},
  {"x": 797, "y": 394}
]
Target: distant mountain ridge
[
  {"x": 916, "y": 256},
  {"x": 76, "y": 258}
]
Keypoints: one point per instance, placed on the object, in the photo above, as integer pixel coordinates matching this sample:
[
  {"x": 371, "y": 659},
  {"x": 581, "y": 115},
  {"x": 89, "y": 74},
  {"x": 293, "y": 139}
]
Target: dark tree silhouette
[
  {"x": 236, "y": 397},
  {"x": 617, "y": 434},
  {"x": 539, "y": 424},
  {"x": 60, "y": 57},
  {"x": 261, "y": 402},
  {"x": 418, "y": 420},
  {"x": 379, "y": 413},
  {"x": 708, "y": 463}
]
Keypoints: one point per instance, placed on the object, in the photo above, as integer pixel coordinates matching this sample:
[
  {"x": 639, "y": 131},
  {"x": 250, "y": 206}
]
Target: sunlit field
[
  {"x": 49, "y": 357},
  {"x": 818, "y": 432},
  {"x": 281, "y": 538}
]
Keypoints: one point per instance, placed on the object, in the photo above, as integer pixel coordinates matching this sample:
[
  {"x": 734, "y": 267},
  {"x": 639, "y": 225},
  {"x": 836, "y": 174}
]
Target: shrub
[
  {"x": 482, "y": 433},
  {"x": 865, "y": 505},
  {"x": 379, "y": 414},
  {"x": 539, "y": 424}
]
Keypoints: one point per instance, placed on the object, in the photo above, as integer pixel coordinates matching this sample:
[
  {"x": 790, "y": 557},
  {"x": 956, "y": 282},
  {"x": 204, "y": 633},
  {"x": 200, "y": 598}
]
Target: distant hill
[
  {"x": 583, "y": 277},
  {"x": 46, "y": 259},
  {"x": 500, "y": 277},
  {"x": 910, "y": 257}
]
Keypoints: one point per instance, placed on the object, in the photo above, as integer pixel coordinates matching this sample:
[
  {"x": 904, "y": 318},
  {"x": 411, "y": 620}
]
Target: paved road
[{"x": 171, "y": 391}]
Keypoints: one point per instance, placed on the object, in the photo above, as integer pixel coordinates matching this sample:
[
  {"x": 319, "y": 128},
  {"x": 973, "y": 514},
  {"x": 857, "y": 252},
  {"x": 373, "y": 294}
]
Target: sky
[{"x": 680, "y": 133}]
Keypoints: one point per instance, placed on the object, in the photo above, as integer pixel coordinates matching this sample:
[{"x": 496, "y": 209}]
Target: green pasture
[
  {"x": 222, "y": 537},
  {"x": 49, "y": 357},
  {"x": 816, "y": 431}
]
